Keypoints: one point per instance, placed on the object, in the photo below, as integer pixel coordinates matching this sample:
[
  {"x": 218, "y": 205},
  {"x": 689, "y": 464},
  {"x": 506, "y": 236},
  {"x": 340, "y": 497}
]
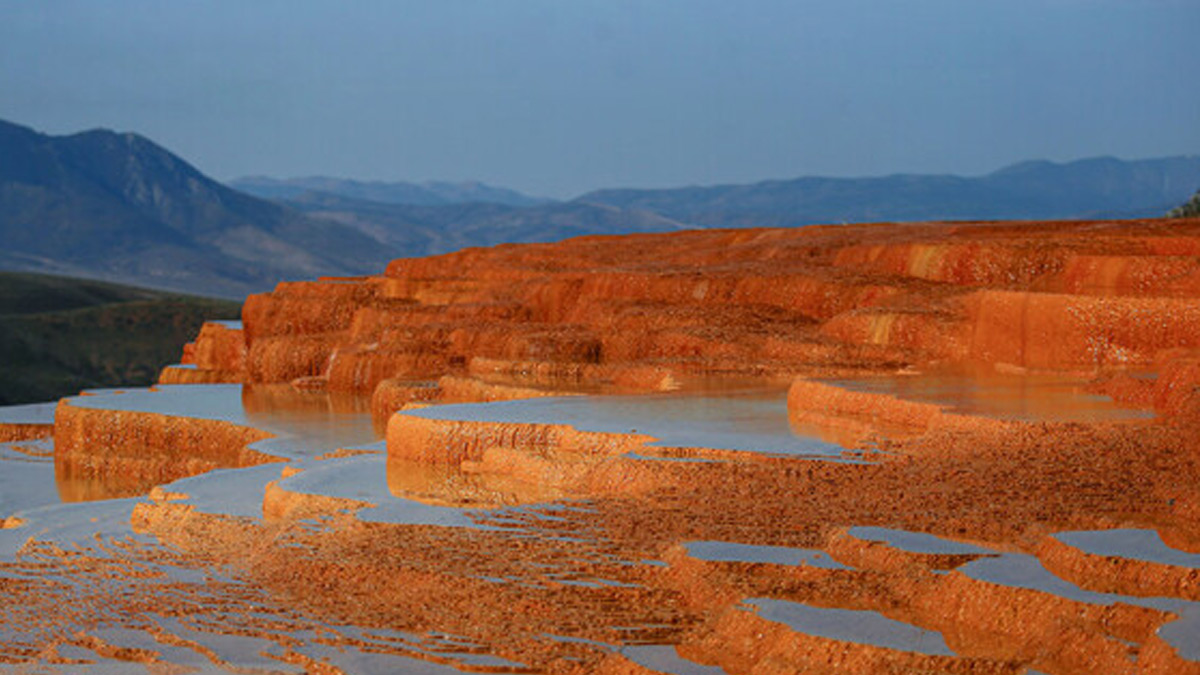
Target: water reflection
[
  {"x": 1026, "y": 397},
  {"x": 73, "y": 487},
  {"x": 308, "y": 422},
  {"x": 305, "y": 424}
]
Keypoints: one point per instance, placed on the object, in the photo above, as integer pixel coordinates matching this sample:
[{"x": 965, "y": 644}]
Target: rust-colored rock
[
  {"x": 218, "y": 355},
  {"x": 134, "y": 451},
  {"x": 1114, "y": 574},
  {"x": 651, "y": 312},
  {"x": 867, "y": 414},
  {"x": 10, "y": 432},
  {"x": 280, "y": 504},
  {"x": 453, "y": 442},
  {"x": 542, "y": 584}
]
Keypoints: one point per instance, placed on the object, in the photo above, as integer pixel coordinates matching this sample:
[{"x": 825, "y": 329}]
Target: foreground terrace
[{"x": 886, "y": 448}]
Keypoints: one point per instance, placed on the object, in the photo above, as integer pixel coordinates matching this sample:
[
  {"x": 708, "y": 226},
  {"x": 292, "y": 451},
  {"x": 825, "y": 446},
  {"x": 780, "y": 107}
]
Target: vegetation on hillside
[
  {"x": 1191, "y": 209},
  {"x": 60, "y": 335}
]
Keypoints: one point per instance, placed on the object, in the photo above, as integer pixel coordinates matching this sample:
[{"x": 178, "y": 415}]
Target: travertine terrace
[{"x": 491, "y": 531}]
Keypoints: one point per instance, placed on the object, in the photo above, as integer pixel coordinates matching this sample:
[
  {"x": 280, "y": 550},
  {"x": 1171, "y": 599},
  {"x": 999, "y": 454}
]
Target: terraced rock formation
[
  {"x": 767, "y": 304},
  {"x": 852, "y": 449}
]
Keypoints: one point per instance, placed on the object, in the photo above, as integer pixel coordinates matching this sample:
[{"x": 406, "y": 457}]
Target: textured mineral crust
[{"x": 942, "y": 535}]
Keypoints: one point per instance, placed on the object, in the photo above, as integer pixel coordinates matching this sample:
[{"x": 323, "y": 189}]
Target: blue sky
[{"x": 556, "y": 97}]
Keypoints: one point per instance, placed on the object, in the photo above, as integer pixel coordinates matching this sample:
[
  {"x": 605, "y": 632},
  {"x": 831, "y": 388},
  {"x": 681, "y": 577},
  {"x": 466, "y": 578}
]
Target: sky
[{"x": 558, "y": 97}]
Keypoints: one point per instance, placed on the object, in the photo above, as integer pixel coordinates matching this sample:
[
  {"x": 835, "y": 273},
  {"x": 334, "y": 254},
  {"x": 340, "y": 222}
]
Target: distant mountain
[
  {"x": 118, "y": 207},
  {"x": 429, "y": 193},
  {"x": 1090, "y": 188},
  {"x": 418, "y": 230}
]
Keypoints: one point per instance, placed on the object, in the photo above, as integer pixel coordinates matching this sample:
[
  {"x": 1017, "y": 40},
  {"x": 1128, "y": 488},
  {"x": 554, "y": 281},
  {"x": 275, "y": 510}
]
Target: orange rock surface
[
  {"x": 591, "y": 554},
  {"x": 650, "y": 311},
  {"x": 218, "y": 355},
  {"x": 24, "y": 432},
  {"x": 129, "y": 452}
]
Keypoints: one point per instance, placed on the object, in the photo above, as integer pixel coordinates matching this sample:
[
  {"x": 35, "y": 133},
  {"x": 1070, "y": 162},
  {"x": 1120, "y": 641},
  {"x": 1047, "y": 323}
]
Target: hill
[
  {"x": 1092, "y": 188},
  {"x": 60, "y": 335},
  {"x": 116, "y": 206}
]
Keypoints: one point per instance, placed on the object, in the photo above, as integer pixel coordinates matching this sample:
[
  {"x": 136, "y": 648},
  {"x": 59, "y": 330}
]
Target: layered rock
[
  {"x": 684, "y": 310},
  {"x": 129, "y": 452},
  {"x": 218, "y": 355},
  {"x": 1119, "y": 574},
  {"x": 656, "y": 311}
]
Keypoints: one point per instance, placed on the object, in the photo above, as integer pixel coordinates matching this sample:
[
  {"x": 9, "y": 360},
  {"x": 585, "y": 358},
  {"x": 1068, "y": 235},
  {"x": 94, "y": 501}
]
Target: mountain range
[
  {"x": 428, "y": 193},
  {"x": 421, "y": 230},
  {"x": 116, "y": 206},
  {"x": 1103, "y": 187}
]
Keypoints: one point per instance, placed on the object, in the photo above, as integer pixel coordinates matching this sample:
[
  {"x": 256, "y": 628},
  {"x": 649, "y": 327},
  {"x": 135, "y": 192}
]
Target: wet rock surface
[{"x": 863, "y": 449}]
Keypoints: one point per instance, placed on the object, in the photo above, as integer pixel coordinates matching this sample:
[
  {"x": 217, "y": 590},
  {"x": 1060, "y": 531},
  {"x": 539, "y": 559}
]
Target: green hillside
[{"x": 60, "y": 335}]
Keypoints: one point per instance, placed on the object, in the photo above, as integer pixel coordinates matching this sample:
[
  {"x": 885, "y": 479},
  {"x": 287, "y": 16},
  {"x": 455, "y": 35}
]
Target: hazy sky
[{"x": 555, "y": 97}]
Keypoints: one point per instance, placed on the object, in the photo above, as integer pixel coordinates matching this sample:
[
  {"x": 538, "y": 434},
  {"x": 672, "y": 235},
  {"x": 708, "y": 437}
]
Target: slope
[
  {"x": 60, "y": 335},
  {"x": 117, "y": 206}
]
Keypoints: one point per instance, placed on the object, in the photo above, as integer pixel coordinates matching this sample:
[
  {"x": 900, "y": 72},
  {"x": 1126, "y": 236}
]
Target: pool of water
[
  {"x": 725, "y": 551},
  {"x": 916, "y": 542},
  {"x": 24, "y": 478},
  {"x": 1024, "y": 397},
  {"x": 1145, "y": 545},
  {"x": 33, "y": 413},
  {"x": 859, "y": 626},
  {"x": 305, "y": 424},
  {"x": 364, "y": 478},
  {"x": 666, "y": 659},
  {"x": 1026, "y": 571}
]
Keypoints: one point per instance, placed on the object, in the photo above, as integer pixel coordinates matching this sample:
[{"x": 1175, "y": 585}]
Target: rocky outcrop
[
  {"x": 394, "y": 394},
  {"x": 585, "y": 535},
  {"x": 448, "y": 441},
  {"x": 880, "y": 556},
  {"x": 743, "y": 642},
  {"x": 1047, "y": 331},
  {"x": 651, "y": 312},
  {"x": 280, "y": 504},
  {"x": 1118, "y": 574}
]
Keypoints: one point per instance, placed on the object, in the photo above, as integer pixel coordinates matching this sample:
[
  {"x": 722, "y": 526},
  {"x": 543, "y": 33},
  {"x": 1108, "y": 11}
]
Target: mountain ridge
[
  {"x": 425, "y": 193},
  {"x": 1033, "y": 189},
  {"x": 117, "y": 206},
  {"x": 420, "y": 230}
]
